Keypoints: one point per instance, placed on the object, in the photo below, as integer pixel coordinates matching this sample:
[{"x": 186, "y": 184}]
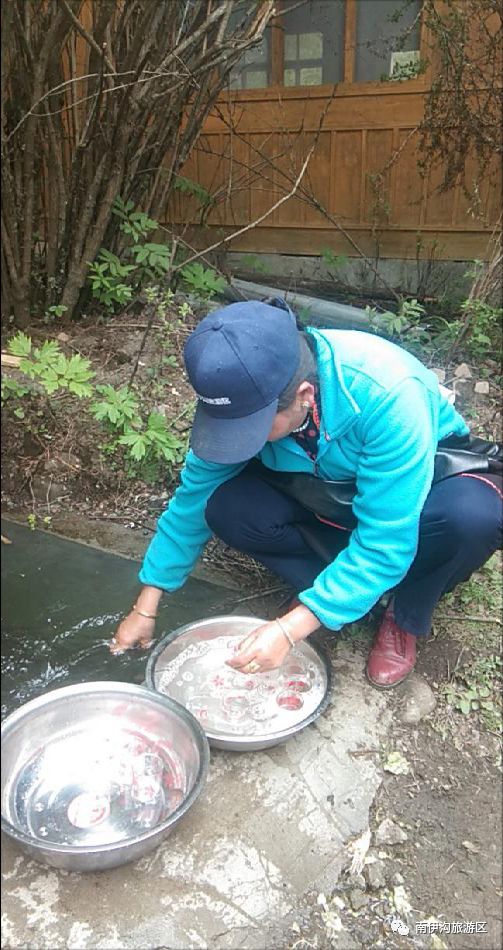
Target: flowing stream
[{"x": 61, "y": 602}]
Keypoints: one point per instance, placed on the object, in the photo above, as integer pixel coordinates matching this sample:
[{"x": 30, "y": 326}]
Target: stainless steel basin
[
  {"x": 96, "y": 775},
  {"x": 238, "y": 711}
]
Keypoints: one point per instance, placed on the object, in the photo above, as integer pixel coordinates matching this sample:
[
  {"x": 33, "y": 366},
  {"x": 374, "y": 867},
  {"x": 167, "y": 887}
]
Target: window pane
[
  {"x": 314, "y": 40},
  {"x": 258, "y": 54},
  {"x": 254, "y": 68},
  {"x": 311, "y": 46},
  {"x": 384, "y": 27},
  {"x": 291, "y": 46},
  {"x": 311, "y": 77},
  {"x": 255, "y": 79}
]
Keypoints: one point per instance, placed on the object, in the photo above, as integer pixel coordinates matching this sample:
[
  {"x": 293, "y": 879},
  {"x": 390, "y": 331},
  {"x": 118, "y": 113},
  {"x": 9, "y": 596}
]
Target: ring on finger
[{"x": 253, "y": 667}]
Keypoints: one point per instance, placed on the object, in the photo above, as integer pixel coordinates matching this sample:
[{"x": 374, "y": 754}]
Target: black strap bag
[{"x": 333, "y": 500}]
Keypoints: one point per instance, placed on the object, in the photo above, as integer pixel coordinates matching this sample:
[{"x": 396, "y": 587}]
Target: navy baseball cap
[{"x": 239, "y": 360}]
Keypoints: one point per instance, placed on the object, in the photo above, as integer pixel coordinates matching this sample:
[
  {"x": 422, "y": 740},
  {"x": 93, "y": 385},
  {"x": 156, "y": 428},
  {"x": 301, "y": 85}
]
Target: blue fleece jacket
[{"x": 382, "y": 416}]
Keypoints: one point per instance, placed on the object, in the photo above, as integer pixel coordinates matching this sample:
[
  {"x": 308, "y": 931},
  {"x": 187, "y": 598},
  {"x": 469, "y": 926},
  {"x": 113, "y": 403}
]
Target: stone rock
[
  {"x": 439, "y": 373},
  {"x": 62, "y": 464},
  {"x": 325, "y": 728},
  {"x": 128, "y": 350},
  {"x": 374, "y": 874},
  {"x": 401, "y": 901},
  {"x": 482, "y": 387},
  {"x": 356, "y": 881},
  {"x": 397, "y": 879},
  {"x": 389, "y": 832},
  {"x": 418, "y": 700},
  {"x": 63, "y": 337},
  {"x": 463, "y": 371},
  {"x": 358, "y": 899},
  {"x": 45, "y": 490}
]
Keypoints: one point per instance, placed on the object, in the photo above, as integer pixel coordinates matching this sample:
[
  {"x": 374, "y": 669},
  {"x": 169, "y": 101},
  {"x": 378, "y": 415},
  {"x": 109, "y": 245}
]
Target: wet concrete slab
[
  {"x": 61, "y": 602},
  {"x": 270, "y": 828}
]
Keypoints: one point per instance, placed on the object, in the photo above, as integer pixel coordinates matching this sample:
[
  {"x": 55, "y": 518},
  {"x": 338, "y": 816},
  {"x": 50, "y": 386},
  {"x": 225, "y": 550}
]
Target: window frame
[{"x": 348, "y": 86}]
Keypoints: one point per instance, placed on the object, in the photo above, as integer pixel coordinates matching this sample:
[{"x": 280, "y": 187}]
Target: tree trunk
[{"x": 71, "y": 144}]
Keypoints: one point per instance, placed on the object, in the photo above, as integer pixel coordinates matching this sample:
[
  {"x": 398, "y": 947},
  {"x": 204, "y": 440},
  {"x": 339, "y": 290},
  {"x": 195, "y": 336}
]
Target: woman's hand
[
  {"x": 267, "y": 647},
  {"x": 133, "y": 631},
  {"x": 137, "y": 629},
  {"x": 264, "y": 649}
]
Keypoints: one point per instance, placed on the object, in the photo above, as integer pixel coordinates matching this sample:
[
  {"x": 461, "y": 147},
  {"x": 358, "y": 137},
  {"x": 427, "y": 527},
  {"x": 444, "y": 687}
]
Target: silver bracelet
[
  {"x": 143, "y": 614},
  {"x": 285, "y": 631}
]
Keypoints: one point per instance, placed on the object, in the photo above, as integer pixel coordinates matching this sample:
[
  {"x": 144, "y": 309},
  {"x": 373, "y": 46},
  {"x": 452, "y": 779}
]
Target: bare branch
[
  {"x": 311, "y": 199},
  {"x": 87, "y": 36},
  {"x": 68, "y": 156},
  {"x": 254, "y": 224}
]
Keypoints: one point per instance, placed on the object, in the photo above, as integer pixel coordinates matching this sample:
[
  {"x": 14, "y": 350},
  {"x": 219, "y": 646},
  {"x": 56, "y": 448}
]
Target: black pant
[{"x": 460, "y": 528}]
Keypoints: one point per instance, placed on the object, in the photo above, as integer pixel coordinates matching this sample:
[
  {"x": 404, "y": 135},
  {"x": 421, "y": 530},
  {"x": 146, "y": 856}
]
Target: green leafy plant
[
  {"x": 476, "y": 690},
  {"x": 148, "y": 444},
  {"x": 136, "y": 224},
  {"x": 114, "y": 265},
  {"x": 412, "y": 310},
  {"x": 333, "y": 260},
  {"x": 154, "y": 439},
  {"x": 169, "y": 360},
  {"x": 152, "y": 260},
  {"x": 119, "y": 407},
  {"x": 54, "y": 312},
  {"x": 113, "y": 279},
  {"x": 189, "y": 187},
  {"x": 51, "y": 368},
  {"x": 172, "y": 316},
  {"x": 161, "y": 299},
  {"x": 20, "y": 345},
  {"x": 202, "y": 281},
  {"x": 397, "y": 324},
  {"x": 107, "y": 276},
  {"x": 253, "y": 262},
  {"x": 485, "y": 328},
  {"x": 151, "y": 445},
  {"x": 185, "y": 310},
  {"x": 32, "y": 521},
  {"x": 146, "y": 439},
  {"x": 12, "y": 394}
]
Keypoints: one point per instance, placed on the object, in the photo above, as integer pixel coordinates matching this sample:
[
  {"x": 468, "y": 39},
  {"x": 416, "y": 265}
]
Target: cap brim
[{"x": 230, "y": 441}]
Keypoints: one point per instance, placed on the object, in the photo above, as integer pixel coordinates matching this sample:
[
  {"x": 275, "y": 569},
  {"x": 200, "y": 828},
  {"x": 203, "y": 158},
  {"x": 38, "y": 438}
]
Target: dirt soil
[
  {"x": 451, "y": 810},
  {"x": 448, "y": 870}
]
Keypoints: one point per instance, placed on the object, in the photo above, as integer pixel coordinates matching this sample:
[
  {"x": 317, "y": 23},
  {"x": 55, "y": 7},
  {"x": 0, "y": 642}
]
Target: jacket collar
[{"x": 339, "y": 410}]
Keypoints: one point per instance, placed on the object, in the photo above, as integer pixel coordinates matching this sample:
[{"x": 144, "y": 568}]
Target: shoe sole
[{"x": 389, "y": 685}]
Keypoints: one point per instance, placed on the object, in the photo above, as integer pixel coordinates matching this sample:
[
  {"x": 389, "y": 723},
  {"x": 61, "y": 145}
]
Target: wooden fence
[{"x": 398, "y": 215}]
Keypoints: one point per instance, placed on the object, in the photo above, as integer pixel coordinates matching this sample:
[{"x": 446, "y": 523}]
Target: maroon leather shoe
[{"x": 393, "y": 654}]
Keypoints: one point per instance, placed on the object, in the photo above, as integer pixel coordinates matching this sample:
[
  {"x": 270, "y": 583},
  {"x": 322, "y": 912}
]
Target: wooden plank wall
[
  {"x": 402, "y": 211},
  {"x": 402, "y": 216}
]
